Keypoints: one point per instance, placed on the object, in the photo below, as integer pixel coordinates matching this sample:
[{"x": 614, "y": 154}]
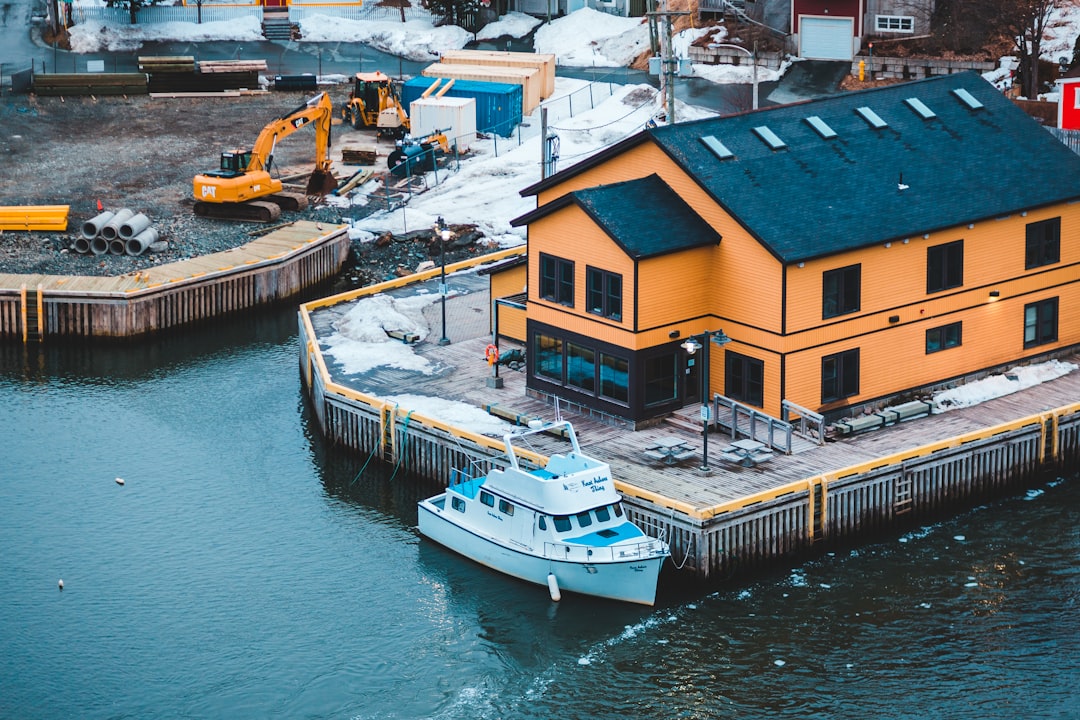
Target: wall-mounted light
[
  {"x": 802, "y": 264},
  {"x": 905, "y": 241},
  {"x": 1023, "y": 214},
  {"x": 995, "y": 293},
  {"x": 971, "y": 226},
  {"x": 926, "y": 236},
  {"x": 888, "y": 245},
  {"x": 673, "y": 334},
  {"x": 894, "y": 318}
]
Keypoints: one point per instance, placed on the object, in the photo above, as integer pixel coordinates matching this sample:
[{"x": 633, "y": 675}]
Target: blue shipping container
[{"x": 498, "y": 105}]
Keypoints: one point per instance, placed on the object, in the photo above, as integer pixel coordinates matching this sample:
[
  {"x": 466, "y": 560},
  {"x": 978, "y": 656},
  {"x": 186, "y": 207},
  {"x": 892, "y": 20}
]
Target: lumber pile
[
  {"x": 180, "y": 75},
  {"x": 34, "y": 217},
  {"x": 167, "y": 64},
  {"x": 56, "y": 84},
  {"x": 358, "y": 155},
  {"x": 209, "y": 67}
]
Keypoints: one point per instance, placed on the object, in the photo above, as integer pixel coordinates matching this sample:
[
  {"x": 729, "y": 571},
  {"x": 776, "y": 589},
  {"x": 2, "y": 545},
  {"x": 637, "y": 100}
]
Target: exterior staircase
[{"x": 276, "y": 25}]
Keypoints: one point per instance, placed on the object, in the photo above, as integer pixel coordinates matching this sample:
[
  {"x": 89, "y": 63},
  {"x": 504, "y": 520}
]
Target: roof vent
[
  {"x": 822, "y": 129},
  {"x": 920, "y": 107},
  {"x": 771, "y": 139},
  {"x": 718, "y": 148},
  {"x": 871, "y": 117},
  {"x": 967, "y": 98}
]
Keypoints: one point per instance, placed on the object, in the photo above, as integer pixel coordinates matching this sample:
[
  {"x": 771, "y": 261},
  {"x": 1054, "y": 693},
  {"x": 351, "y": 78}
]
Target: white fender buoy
[
  {"x": 553, "y": 587},
  {"x": 119, "y": 481},
  {"x": 60, "y": 584}
]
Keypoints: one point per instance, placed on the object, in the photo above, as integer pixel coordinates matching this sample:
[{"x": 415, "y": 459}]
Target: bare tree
[{"x": 1024, "y": 21}]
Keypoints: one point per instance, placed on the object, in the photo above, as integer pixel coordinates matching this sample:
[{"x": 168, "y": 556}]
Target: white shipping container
[{"x": 454, "y": 116}]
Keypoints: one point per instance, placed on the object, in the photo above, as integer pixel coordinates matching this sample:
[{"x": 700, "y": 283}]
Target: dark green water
[{"x": 243, "y": 571}]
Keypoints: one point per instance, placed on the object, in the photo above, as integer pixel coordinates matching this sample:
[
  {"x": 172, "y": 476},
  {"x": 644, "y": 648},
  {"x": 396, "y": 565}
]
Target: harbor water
[{"x": 243, "y": 569}]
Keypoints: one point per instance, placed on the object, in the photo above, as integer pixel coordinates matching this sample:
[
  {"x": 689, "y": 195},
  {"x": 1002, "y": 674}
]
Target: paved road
[{"x": 18, "y": 48}]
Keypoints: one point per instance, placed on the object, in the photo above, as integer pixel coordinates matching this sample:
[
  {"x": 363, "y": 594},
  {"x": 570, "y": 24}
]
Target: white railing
[{"x": 644, "y": 550}]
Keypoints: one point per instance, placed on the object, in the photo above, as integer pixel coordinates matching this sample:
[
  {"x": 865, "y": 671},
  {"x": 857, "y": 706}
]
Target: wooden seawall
[
  {"x": 732, "y": 519},
  {"x": 272, "y": 268}
]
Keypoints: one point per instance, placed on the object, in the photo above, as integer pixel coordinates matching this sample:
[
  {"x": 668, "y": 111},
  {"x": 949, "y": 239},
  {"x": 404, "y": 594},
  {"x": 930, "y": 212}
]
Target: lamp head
[{"x": 690, "y": 345}]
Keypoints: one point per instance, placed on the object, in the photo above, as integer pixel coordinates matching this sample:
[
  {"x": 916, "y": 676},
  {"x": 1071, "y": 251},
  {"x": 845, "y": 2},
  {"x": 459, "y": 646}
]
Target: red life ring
[{"x": 492, "y": 354}]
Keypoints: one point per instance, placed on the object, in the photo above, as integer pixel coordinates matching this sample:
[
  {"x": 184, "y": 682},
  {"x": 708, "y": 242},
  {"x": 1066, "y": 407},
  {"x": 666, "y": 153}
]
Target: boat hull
[{"x": 631, "y": 580}]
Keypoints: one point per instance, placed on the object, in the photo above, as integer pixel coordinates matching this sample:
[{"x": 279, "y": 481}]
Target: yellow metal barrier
[{"x": 34, "y": 217}]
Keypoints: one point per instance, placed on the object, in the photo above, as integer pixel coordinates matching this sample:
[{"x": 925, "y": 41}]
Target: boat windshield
[{"x": 585, "y": 519}]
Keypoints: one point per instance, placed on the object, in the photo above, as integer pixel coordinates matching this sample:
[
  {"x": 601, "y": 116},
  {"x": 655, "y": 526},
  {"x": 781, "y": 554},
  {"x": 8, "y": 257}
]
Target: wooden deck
[{"x": 461, "y": 373}]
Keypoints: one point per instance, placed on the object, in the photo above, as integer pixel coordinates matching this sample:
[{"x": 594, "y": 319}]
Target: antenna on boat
[{"x": 558, "y": 411}]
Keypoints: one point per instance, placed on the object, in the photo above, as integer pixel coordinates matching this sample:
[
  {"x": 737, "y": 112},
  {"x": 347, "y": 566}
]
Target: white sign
[{"x": 706, "y": 413}]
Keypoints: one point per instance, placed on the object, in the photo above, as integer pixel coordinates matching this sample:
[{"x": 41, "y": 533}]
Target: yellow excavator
[
  {"x": 374, "y": 102},
  {"x": 242, "y": 188}
]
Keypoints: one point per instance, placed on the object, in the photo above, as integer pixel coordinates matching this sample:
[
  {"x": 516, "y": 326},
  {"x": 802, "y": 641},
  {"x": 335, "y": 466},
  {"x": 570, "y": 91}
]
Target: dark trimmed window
[
  {"x": 506, "y": 508},
  {"x": 547, "y": 352},
  {"x": 839, "y": 375},
  {"x": 584, "y": 519},
  {"x": 744, "y": 378},
  {"x": 562, "y": 523},
  {"x": 943, "y": 338},
  {"x": 1041, "y": 322},
  {"x": 581, "y": 367},
  {"x": 487, "y": 498},
  {"x": 661, "y": 373},
  {"x": 945, "y": 266},
  {"x": 1043, "y": 243},
  {"x": 614, "y": 378},
  {"x": 604, "y": 291},
  {"x": 840, "y": 291},
  {"x": 557, "y": 280},
  {"x": 457, "y": 503}
]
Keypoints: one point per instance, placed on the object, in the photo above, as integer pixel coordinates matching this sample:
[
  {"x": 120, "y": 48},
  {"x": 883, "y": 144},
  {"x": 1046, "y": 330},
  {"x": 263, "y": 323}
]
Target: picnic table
[
  {"x": 669, "y": 450},
  {"x": 747, "y": 453}
]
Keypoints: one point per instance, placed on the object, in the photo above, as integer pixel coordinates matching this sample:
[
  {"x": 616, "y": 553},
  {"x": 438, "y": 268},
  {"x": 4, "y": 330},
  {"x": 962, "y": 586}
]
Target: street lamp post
[
  {"x": 443, "y": 233},
  {"x": 753, "y": 58},
  {"x": 691, "y": 346}
]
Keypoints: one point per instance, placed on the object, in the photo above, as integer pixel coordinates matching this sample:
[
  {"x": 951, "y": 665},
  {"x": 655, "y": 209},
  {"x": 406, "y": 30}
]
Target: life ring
[{"x": 492, "y": 354}]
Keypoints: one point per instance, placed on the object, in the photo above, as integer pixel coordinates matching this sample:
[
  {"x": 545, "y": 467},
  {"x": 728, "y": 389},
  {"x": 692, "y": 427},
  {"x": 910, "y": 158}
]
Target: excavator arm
[{"x": 318, "y": 110}]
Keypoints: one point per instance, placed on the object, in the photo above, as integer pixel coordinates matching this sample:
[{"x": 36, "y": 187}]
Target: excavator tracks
[{"x": 251, "y": 211}]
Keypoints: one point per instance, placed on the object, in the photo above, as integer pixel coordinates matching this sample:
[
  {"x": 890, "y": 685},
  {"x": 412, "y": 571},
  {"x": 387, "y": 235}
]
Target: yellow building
[{"x": 854, "y": 249}]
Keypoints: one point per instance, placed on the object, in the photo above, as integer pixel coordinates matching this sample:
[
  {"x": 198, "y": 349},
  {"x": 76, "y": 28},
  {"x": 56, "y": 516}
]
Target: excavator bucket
[{"x": 321, "y": 182}]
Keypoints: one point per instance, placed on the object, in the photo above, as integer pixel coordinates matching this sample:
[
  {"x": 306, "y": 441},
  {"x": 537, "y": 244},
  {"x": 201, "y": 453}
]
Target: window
[
  {"x": 506, "y": 508},
  {"x": 744, "y": 378},
  {"x": 584, "y": 519},
  {"x": 557, "y": 280},
  {"x": 614, "y": 378},
  {"x": 603, "y": 514},
  {"x": 943, "y": 338},
  {"x": 541, "y": 522},
  {"x": 605, "y": 293},
  {"x": 1040, "y": 322},
  {"x": 458, "y": 504},
  {"x": 1043, "y": 243},
  {"x": 840, "y": 291},
  {"x": 581, "y": 367},
  {"x": 945, "y": 266},
  {"x": 894, "y": 23},
  {"x": 562, "y": 523},
  {"x": 618, "y": 509},
  {"x": 487, "y": 498},
  {"x": 548, "y": 354},
  {"x": 839, "y": 376},
  {"x": 660, "y": 374}
]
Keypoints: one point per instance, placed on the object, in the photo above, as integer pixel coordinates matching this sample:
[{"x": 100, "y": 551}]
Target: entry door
[
  {"x": 826, "y": 38},
  {"x": 692, "y": 379}
]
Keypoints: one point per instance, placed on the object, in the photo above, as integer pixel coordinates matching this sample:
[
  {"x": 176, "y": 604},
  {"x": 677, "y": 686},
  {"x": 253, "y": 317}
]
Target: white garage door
[{"x": 825, "y": 38}]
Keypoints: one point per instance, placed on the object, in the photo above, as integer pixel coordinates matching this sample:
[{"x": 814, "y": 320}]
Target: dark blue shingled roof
[
  {"x": 818, "y": 197},
  {"x": 643, "y": 216}
]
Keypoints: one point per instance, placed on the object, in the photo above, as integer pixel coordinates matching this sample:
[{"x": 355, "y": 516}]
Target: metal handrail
[
  {"x": 777, "y": 432},
  {"x": 810, "y": 424}
]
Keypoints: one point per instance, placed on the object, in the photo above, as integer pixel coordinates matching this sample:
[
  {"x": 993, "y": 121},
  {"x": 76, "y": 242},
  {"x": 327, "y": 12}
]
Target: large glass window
[
  {"x": 605, "y": 293},
  {"x": 581, "y": 367},
  {"x": 660, "y": 379},
  {"x": 562, "y": 523},
  {"x": 614, "y": 378},
  {"x": 945, "y": 266},
  {"x": 744, "y": 378},
  {"x": 549, "y": 360},
  {"x": 839, "y": 375},
  {"x": 557, "y": 280},
  {"x": 943, "y": 338},
  {"x": 1041, "y": 322},
  {"x": 894, "y": 23},
  {"x": 840, "y": 291},
  {"x": 1043, "y": 243}
]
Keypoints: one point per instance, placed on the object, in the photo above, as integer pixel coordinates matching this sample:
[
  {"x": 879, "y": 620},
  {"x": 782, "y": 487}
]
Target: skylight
[
  {"x": 919, "y": 107},
  {"x": 821, "y": 127},
  {"x": 771, "y": 139},
  {"x": 967, "y": 98},
  {"x": 871, "y": 117},
  {"x": 718, "y": 148}
]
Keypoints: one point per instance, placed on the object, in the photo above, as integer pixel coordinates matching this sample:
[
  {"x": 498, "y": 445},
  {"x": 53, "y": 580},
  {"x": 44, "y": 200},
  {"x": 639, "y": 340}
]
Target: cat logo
[{"x": 209, "y": 191}]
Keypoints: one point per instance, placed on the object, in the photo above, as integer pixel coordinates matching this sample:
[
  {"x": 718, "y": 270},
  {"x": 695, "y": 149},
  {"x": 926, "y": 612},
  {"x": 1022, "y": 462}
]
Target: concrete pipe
[
  {"x": 82, "y": 245},
  {"x": 139, "y": 244},
  {"x": 99, "y": 246},
  {"x": 111, "y": 229},
  {"x": 92, "y": 227},
  {"x": 117, "y": 246},
  {"x": 133, "y": 226}
]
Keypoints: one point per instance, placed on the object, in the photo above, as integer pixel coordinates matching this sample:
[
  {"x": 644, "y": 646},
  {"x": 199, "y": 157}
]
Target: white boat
[{"x": 562, "y": 526}]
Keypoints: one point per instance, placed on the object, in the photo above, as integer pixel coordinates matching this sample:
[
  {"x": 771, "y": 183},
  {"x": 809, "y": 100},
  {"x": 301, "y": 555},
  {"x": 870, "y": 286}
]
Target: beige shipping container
[
  {"x": 527, "y": 78},
  {"x": 544, "y": 61}
]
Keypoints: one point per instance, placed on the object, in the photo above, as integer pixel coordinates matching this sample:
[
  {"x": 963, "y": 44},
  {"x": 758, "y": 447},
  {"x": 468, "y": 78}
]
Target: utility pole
[{"x": 668, "y": 62}]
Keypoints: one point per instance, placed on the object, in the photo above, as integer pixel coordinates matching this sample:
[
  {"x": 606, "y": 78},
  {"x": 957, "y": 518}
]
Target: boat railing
[{"x": 645, "y": 549}]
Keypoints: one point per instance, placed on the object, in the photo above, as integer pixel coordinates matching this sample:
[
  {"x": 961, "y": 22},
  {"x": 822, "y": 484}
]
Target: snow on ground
[
  {"x": 413, "y": 40},
  {"x": 513, "y": 24},
  {"x": 94, "y": 36},
  {"x": 994, "y": 386},
  {"x": 589, "y": 38}
]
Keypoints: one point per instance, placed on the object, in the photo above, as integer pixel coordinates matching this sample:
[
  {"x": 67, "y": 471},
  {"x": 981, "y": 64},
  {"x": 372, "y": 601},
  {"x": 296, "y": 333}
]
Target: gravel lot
[{"x": 142, "y": 153}]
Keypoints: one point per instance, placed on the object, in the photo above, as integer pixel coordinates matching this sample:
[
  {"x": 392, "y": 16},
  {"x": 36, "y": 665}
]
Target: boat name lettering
[{"x": 497, "y": 517}]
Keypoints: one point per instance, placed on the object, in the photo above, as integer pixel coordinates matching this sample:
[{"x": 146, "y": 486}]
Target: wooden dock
[
  {"x": 268, "y": 269},
  {"x": 730, "y": 518}
]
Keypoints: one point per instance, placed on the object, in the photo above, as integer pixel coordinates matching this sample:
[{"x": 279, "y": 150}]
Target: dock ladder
[{"x": 32, "y": 309}]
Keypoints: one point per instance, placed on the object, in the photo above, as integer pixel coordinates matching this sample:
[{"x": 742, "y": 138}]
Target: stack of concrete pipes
[{"x": 121, "y": 232}]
